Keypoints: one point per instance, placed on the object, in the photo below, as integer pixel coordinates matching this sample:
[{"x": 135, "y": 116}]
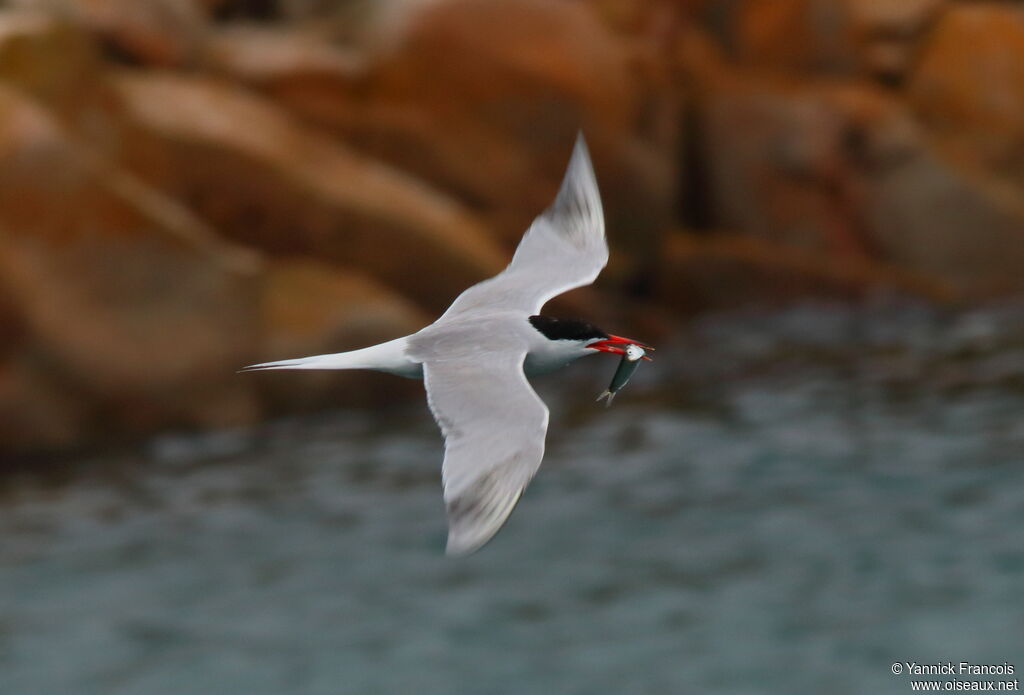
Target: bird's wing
[
  {"x": 563, "y": 249},
  {"x": 493, "y": 424}
]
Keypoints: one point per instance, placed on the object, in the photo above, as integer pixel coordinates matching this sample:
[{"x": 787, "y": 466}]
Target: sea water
[{"x": 784, "y": 501}]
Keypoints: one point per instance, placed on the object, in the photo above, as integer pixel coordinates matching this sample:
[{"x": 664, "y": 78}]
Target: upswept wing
[
  {"x": 493, "y": 423},
  {"x": 563, "y": 249}
]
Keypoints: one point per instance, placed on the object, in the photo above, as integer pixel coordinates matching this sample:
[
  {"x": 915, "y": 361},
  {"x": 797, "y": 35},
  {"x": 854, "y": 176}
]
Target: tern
[{"x": 475, "y": 359}]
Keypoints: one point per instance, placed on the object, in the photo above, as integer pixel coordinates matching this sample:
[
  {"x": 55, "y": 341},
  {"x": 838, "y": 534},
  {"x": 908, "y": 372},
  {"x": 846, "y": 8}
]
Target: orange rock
[
  {"x": 483, "y": 100},
  {"x": 633, "y": 17},
  {"x": 273, "y": 58},
  {"x": 299, "y": 70},
  {"x": 37, "y": 412},
  {"x": 968, "y": 86},
  {"x": 780, "y": 162},
  {"x": 58, "y": 63},
  {"x": 313, "y": 308},
  {"x": 937, "y": 213},
  {"x": 700, "y": 60},
  {"x": 892, "y": 16},
  {"x": 795, "y": 35},
  {"x": 262, "y": 178},
  {"x": 154, "y": 32},
  {"x": 130, "y": 304},
  {"x": 725, "y": 271},
  {"x": 525, "y": 52},
  {"x": 310, "y": 308},
  {"x": 887, "y": 33},
  {"x": 45, "y": 55},
  {"x": 212, "y": 7},
  {"x": 847, "y": 173},
  {"x": 830, "y": 36}
]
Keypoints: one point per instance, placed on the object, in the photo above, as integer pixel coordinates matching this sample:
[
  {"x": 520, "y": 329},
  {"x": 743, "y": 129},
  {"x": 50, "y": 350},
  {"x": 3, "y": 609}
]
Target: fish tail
[{"x": 607, "y": 394}]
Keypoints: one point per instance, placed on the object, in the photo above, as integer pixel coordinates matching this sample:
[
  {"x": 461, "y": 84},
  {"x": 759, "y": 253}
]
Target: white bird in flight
[{"x": 475, "y": 358}]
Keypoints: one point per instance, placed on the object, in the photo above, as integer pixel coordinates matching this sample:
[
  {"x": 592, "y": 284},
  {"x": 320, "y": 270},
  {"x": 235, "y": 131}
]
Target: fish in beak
[
  {"x": 630, "y": 361},
  {"x": 616, "y": 345}
]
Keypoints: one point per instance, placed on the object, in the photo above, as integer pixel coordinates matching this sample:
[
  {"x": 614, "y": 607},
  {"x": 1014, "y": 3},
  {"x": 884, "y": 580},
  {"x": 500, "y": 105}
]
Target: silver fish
[{"x": 627, "y": 365}]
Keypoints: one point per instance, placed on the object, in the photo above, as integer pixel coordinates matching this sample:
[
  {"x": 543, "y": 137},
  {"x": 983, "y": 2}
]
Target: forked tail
[{"x": 386, "y": 357}]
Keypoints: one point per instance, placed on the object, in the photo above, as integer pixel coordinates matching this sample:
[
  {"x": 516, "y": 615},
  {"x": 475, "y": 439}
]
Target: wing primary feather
[
  {"x": 493, "y": 422},
  {"x": 564, "y": 248}
]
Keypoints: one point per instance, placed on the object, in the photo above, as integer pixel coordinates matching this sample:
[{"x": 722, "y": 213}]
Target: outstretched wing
[
  {"x": 493, "y": 423},
  {"x": 563, "y": 249}
]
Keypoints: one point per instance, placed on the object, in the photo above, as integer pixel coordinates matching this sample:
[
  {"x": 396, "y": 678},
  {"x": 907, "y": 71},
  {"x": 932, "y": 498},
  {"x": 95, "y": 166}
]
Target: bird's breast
[{"x": 544, "y": 359}]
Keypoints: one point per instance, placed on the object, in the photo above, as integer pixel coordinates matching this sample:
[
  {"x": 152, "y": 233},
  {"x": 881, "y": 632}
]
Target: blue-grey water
[{"x": 783, "y": 502}]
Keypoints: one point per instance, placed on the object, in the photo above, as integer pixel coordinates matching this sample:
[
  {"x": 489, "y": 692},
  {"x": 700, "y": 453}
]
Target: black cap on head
[{"x": 567, "y": 329}]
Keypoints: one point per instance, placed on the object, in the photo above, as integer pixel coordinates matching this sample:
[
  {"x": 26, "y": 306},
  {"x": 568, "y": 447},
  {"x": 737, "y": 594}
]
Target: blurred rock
[
  {"x": 968, "y": 86},
  {"x": 46, "y": 56},
  {"x": 223, "y": 8},
  {"x": 275, "y": 59},
  {"x": 700, "y": 60},
  {"x": 793, "y": 35},
  {"x": 59, "y": 64},
  {"x": 130, "y": 304},
  {"x": 249, "y": 168},
  {"x": 820, "y": 146},
  {"x": 722, "y": 272},
  {"x": 892, "y": 17},
  {"x": 297, "y": 69},
  {"x": 845, "y": 171},
  {"x": 639, "y": 18},
  {"x": 836, "y": 37},
  {"x": 36, "y": 411},
  {"x": 151, "y": 32},
  {"x": 310, "y": 308},
  {"x": 296, "y": 11},
  {"x": 779, "y": 163},
  {"x": 483, "y": 100},
  {"x": 11, "y": 327},
  {"x": 933, "y": 212},
  {"x": 885, "y": 33}
]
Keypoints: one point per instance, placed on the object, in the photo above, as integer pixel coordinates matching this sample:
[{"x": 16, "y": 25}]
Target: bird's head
[{"x": 586, "y": 335}]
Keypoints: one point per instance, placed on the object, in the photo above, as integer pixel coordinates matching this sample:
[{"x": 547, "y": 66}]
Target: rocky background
[{"x": 189, "y": 186}]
